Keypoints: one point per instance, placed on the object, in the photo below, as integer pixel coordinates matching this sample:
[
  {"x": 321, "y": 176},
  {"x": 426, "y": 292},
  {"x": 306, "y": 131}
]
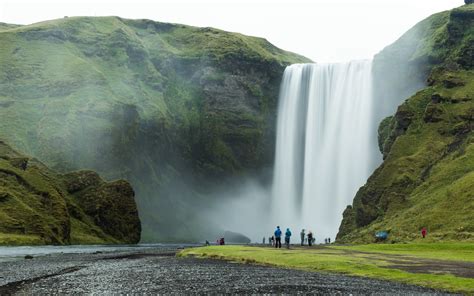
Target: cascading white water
[{"x": 326, "y": 144}]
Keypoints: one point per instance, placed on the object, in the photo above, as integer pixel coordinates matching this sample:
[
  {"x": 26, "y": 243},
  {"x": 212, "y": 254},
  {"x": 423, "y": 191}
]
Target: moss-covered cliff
[
  {"x": 39, "y": 206},
  {"x": 427, "y": 176},
  {"x": 171, "y": 108}
]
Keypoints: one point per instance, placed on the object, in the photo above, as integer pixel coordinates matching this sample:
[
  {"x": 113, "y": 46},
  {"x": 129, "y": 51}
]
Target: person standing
[
  {"x": 287, "y": 238},
  {"x": 310, "y": 238},
  {"x": 278, "y": 237},
  {"x": 302, "y": 237},
  {"x": 423, "y": 232}
]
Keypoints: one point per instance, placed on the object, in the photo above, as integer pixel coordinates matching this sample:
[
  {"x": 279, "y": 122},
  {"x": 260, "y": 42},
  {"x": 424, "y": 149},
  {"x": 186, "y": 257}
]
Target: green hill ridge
[
  {"x": 39, "y": 206},
  {"x": 174, "y": 109},
  {"x": 427, "y": 176}
]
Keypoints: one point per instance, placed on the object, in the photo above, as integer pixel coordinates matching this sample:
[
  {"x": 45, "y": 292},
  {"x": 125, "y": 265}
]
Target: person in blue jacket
[
  {"x": 287, "y": 238},
  {"x": 278, "y": 237}
]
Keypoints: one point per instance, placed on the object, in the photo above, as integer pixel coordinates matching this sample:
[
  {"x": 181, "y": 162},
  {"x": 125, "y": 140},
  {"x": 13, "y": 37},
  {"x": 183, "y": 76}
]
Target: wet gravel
[{"x": 160, "y": 272}]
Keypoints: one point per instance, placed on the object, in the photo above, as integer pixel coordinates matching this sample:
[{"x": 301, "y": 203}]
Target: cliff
[
  {"x": 427, "y": 176},
  {"x": 40, "y": 206},
  {"x": 175, "y": 110}
]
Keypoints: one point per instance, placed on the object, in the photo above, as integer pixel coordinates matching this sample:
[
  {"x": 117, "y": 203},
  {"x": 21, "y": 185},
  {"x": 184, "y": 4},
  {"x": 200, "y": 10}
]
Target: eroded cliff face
[
  {"x": 427, "y": 176},
  {"x": 176, "y": 110},
  {"x": 39, "y": 206}
]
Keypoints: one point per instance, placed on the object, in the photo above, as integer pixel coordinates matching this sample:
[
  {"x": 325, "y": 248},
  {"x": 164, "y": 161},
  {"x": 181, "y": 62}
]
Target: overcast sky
[{"x": 323, "y": 30}]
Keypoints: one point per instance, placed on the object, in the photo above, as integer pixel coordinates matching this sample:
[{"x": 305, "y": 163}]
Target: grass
[
  {"x": 344, "y": 259},
  {"x": 9, "y": 239}
]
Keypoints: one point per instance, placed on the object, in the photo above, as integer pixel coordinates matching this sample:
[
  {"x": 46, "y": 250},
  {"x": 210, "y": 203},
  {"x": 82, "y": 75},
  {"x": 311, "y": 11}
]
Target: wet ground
[{"x": 157, "y": 270}]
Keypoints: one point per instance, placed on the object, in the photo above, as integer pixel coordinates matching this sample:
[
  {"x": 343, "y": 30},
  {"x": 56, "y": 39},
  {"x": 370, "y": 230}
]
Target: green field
[{"x": 433, "y": 263}]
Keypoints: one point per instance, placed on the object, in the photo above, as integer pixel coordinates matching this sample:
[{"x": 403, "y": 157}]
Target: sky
[{"x": 322, "y": 30}]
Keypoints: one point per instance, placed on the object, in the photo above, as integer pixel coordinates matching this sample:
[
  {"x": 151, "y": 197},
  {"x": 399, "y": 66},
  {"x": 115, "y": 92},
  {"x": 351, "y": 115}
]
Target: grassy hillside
[
  {"x": 39, "y": 206},
  {"x": 427, "y": 177},
  {"x": 173, "y": 109}
]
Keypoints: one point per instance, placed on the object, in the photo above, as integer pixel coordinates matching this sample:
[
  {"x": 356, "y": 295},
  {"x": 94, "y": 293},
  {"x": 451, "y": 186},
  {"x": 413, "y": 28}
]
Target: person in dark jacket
[
  {"x": 310, "y": 238},
  {"x": 302, "y": 237},
  {"x": 278, "y": 237},
  {"x": 287, "y": 238}
]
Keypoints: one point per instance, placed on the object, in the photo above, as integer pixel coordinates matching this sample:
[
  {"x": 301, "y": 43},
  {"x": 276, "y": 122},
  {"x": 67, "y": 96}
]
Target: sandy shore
[{"x": 157, "y": 270}]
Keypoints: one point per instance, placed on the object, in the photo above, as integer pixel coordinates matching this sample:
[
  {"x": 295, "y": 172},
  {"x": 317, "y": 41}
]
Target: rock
[
  {"x": 452, "y": 82},
  {"x": 40, "y": 206},
  {"x": 436, "y": 98},
  {"x": 433, "y": 113},
  {"x": 113, "y": 208},
  {"x": 77, "y": 181},
  {"x": 28, "y": 257},
  {"x": 20, "y": 162}
]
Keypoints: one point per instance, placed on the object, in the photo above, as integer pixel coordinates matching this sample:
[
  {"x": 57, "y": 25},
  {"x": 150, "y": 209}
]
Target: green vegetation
[
  {"x": 164, "y": 106},
  {"x": 374, "y": 261},
  {"x": 427, "y": 177},
  {"x": 39, "y": 206}
]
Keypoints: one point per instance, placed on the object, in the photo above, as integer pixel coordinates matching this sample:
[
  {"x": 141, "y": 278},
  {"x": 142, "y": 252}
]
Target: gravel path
[{"x": 159, "y": 271}]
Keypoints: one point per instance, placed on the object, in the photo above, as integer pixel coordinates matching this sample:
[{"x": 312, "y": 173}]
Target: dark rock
[
  {"x": 113, "y": 208},
  {"x": 403, "y": 117},
  {"x": 452, "y": 82},
  {"x": 77, "y": 181},
  {"x": 19, "y": 162},
  {"x": 436, "y": 98},
  {"x": 28, "y": 257},
  {"x": 433, "y": 113}
]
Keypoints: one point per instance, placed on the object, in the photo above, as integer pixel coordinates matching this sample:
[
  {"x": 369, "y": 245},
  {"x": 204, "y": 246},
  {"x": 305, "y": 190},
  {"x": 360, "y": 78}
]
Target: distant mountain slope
[
  {"x": 427, "y": 177},
  {"x": 39, "y": 206},
  {"x": 4, "y": 26},
  {"x": 174, "y": 109}
]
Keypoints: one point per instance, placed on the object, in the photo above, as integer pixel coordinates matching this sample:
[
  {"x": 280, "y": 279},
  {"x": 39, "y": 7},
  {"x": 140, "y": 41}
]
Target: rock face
[
  {"x": 427, "y": 177},
  {"x": 173, "y": 109},
  {"x": 39, "y": 206}
]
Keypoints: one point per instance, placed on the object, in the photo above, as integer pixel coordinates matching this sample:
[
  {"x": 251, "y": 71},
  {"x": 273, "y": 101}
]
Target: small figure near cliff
[
  {"x": 263, "y": 241},
  {"x": 423, "y": 232},
  {"x": 302, "y": 236}
]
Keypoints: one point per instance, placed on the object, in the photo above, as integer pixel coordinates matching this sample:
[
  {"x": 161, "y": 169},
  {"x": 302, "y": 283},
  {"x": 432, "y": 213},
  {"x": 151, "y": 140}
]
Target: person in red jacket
[{"x": 423, "y": 232}]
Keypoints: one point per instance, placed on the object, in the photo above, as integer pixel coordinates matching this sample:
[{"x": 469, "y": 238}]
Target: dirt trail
[{"x": 414, "y": 264}]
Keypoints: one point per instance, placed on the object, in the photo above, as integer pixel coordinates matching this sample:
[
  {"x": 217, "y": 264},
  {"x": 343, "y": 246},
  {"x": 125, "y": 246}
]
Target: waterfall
[{"x": 326, "y": 144}]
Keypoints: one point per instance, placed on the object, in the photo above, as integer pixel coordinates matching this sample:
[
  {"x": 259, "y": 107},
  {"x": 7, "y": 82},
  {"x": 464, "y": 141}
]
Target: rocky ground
[{"x": 160, "y": 271}]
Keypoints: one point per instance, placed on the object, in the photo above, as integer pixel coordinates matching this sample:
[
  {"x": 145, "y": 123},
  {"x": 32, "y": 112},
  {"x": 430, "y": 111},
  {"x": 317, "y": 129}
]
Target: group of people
[
  {"x": 275, "y": 240},
  {"x": 307, "y": 238}
]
